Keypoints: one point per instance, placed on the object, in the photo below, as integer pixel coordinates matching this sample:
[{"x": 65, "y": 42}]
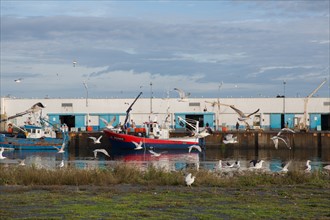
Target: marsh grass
[{"x": 129, "y": 174}]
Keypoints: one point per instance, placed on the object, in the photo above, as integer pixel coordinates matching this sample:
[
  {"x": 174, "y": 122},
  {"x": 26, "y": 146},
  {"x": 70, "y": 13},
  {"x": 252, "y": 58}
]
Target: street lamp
[
  {"x": 284, "y": 83},
  {"x": 151, "y": 97},
  {"x": 85, "y": 84}
]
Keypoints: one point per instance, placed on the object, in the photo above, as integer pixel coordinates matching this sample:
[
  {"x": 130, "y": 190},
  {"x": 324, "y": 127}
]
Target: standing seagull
[
  {"x": 1, "y": 151},
  {"x": 100, "y": 151},
  {"x": 189, "y": 179},
  {"x": 242, "y": 116},
  {"x": 61, "y": 164},
  {"x": 138, "y": 146},
  {"x": 308, "y": 166},
  {"x": 197, "y": 147},
  {"x": 96, "y": 141},
  {"x": 257, "y": 164}
]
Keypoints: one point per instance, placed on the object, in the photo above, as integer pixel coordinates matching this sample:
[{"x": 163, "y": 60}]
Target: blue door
[
  {"x": 79, "y": 121},
  {"x": 289, "y": 120},
  {"x": 315, "y": 121},
  {"x": 275, "y": 121},
  {"x": 209, "y": 118},
  {"x": 54, "y": 119}
]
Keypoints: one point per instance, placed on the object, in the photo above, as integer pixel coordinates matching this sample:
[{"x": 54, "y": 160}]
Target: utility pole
[{"x": 151, "y": 94}]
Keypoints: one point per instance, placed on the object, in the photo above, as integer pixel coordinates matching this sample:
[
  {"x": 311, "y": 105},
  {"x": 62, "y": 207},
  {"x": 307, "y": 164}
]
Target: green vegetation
[
  {"x": 125, "y": 173},
  {"x": 125, "y": 192}
]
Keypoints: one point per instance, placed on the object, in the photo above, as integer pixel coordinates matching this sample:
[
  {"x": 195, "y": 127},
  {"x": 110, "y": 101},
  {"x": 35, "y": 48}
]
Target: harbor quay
[{"x": 314, "y": 143}]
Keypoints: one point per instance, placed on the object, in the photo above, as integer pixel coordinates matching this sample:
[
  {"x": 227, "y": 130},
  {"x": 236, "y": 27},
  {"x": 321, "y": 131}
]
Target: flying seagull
[
  {"x": 242, "y": 116},
  {"x": 109, "y": 124},
  {"x": 1, "y": 151},
  {"x": 100, "y": 151},
  {"x": 278, "y": 137},
  {"x": 197, "y": 147},
  {"x": 96, "y": 141},
  {"x": 189, "y": 179},
  {"x": 182, "y": 94},
  {"x": 35, "y": 108},
  {"x": 138, "y": 146},
  {"x": 153, "y": 153},
  {"x": 21, "y": 162},
  {"x": 60, "y": 150},
  {"x": 230, "y": 139},
  {"x": 285, "y": 168},
  {"x": 18, "y": 80}
]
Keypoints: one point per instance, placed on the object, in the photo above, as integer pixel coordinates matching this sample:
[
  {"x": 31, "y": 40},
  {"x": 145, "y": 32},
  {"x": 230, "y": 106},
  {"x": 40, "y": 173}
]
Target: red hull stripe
[{"x": 129, "y": 138}]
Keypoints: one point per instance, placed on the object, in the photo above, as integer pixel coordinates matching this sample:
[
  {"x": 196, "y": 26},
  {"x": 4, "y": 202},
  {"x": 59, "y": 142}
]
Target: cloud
[{"x": 251, "y": 47}]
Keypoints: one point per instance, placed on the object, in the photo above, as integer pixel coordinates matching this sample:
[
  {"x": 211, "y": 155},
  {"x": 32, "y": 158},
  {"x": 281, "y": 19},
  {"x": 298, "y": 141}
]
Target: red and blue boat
[{"x": 152, "y": 136}]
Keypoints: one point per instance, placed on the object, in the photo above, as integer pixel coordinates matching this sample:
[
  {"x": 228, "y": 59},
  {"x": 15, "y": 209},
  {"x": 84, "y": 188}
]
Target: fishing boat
[
  {"x": 38, "y": 134},
  {"x": 153, "y": 136}
]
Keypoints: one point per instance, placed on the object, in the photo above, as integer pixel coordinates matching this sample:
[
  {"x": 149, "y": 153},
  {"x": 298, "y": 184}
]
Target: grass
[
  {"x": 128, "y": 201},
  {"x": 124, "y": 192},
  {"x": 126, "y": 173}
]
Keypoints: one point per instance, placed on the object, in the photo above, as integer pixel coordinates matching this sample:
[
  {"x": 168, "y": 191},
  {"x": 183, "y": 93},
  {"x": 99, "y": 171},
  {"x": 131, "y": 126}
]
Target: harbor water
[{"x": 80, "y": 154}]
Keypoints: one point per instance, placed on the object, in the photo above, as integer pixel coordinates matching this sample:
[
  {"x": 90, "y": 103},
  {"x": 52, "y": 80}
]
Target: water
[{"x": 83, "y": 158}]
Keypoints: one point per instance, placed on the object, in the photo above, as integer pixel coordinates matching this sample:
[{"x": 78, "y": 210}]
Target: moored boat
[
  {"x": 33, "y": 135},
  {"x": 153, "y": 136}
]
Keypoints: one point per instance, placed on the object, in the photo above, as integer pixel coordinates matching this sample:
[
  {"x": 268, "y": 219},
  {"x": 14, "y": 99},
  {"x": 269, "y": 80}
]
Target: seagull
[
  {"x": 229, "y": 139},
  {"x": 327, "y": 167},
  {"x": 18, "y": 80},
  {"x": 219, "y": 166},
  {"x": 278, "y": 137},
  {"x": 308, "y": 166},
  {"x": 21, "y": 163},
  {"x": 197, "y": 147},
  {"x": 74, "y": 63},
  {"x": 285, "y": 129},
  {"x": 138, "y": 146},
  {"x": 109, "y": 124},
  {"x": 257, "y": 164},
  {"x": 154, "y": 153},
  {"x": 101, "y": 151},
  {"x": 242, "y": 116},
  {"x": 182, "y": 94},
  {"x": 60, "y": 150},
  {"x": 275, "y": 140},
  {"x": 285, "y": 168},
  {"x": 189, "y": 179},
  {"x": 61, "y": 164},
  {"x": 237, "y": 164},
  {"x": 96, "y": 141},
  {"x": 1, "y": 151}
]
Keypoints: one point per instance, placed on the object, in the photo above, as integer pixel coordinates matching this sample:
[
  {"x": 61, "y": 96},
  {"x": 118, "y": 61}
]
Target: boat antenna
[{"x": 130, "y": 108}]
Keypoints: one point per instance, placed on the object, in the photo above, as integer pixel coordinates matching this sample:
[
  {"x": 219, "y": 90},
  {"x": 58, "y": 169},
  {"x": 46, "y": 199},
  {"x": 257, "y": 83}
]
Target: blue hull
[{"x": 30, "y": 143}]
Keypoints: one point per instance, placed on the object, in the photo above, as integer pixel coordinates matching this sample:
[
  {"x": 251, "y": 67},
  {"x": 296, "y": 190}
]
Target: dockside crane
[{"x": 303, "y": 125}]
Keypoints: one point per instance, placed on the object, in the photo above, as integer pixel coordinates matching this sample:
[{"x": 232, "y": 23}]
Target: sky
[{"x": 208, "y": 48}]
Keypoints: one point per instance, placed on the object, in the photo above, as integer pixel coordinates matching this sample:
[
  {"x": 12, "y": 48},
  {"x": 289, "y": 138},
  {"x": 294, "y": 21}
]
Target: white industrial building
[{"x": 274, "y": 113}]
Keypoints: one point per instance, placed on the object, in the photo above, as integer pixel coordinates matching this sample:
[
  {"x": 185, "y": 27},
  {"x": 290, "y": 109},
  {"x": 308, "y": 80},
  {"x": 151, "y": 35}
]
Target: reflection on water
[{"x": 171, "y": 160}]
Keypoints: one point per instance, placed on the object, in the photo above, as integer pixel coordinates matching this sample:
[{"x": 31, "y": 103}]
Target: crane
[{"x": 303, "y": 125}]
